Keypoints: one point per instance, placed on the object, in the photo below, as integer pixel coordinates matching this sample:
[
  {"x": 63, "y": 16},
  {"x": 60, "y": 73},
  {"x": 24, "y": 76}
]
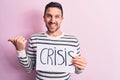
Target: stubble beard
[{"x": 52, "y": 31}]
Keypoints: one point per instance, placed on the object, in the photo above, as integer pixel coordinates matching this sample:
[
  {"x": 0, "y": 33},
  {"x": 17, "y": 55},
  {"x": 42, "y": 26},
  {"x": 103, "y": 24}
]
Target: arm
[
  {"x": 78, "y": 61},
  {"x": 25, "y": 60},
  {"x": 20, "y": 43}
]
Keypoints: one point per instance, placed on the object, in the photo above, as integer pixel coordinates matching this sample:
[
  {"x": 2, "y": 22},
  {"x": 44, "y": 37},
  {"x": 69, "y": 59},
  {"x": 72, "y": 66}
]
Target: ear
[
  {"x": 62, "y": 18},
  {"x": 44, "y": 18}
]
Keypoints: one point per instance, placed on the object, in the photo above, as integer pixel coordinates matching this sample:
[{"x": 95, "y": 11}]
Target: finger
[
  {"x": 12, "y": 41},
  {"x": 16, "y": 38},
  {"x": 80, "y": 64},
  {"x": 79, "y": 59},
  {"x": 20, "y": 39},
  {"x": 79, "y": 67},
  {"x": 25, "y": 41}
]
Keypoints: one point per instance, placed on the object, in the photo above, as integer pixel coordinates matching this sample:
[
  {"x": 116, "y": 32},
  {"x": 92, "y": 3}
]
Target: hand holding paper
[{"x": 79, "y": 62}]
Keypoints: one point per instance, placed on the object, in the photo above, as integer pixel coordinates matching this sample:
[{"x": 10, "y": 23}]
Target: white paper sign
[{"x": 55, "y": 58}]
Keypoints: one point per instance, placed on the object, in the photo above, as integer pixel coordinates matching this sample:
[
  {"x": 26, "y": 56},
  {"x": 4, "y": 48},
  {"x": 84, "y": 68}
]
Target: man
[{"x": 53, "y": 16}]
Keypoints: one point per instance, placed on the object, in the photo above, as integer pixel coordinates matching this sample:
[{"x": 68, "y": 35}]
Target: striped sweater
[{"x": 28, "y": 59}]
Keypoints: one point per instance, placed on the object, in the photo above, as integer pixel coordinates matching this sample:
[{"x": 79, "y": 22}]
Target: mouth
[{"x": 52, "y": 25}]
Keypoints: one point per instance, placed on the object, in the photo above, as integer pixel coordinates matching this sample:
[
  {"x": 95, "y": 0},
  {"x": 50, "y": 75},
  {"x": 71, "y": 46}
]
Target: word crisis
[{"x": 56, "y": 56}]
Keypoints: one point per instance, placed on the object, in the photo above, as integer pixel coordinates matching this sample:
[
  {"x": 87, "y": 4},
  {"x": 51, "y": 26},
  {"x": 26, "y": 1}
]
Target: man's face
[{"x": 53, "y": 19}]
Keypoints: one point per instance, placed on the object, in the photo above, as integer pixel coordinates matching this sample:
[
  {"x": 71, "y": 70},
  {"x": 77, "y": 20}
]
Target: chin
[{"x": 52, "y": 31}]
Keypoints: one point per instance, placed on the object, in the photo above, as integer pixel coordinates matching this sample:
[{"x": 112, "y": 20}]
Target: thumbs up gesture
[{"x": 19, "y": 42}]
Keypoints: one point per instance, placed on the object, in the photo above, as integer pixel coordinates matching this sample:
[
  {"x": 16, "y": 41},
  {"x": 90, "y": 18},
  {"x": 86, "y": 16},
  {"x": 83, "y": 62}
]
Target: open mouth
[{"x": 52, "y": 25}]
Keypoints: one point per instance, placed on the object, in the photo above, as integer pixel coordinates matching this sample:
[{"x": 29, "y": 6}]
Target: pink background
[{"x": 96, "y": 23}]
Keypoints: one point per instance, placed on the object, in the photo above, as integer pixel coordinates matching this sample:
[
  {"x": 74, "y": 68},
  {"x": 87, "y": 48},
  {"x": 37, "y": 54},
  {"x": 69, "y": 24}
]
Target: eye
[
  {"x": 48, "y": 15},
  {"x": 57, "y": 16}
]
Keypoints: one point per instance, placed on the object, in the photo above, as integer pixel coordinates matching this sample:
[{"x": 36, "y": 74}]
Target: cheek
[
  {"x": 46, "y": 21},
  {"x": 59, "y": 22}
]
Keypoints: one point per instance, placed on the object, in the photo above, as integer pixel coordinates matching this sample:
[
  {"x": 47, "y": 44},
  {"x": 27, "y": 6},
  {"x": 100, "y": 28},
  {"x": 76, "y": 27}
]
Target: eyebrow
[{"x": 51, "y": 15}]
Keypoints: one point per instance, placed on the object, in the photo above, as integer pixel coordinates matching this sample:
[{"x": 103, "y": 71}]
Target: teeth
[{"x": 52, "y": 24}]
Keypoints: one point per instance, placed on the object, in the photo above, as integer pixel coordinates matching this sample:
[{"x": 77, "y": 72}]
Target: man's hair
[{"x": 53, "y": 4}]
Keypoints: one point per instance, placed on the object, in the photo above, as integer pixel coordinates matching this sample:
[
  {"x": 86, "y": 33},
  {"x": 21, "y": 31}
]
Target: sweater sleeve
[
  {"x": 77, "y": 71},
  {"x": 25, "y": 61}
]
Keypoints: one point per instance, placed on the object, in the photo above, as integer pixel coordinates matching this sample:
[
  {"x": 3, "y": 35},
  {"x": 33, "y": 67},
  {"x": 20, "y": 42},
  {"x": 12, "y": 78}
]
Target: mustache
[{"x": 52, "y": 23}]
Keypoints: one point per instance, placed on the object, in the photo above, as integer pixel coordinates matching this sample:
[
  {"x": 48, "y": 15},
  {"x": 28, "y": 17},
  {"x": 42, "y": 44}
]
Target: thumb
[{"x": 12, "y": 41}]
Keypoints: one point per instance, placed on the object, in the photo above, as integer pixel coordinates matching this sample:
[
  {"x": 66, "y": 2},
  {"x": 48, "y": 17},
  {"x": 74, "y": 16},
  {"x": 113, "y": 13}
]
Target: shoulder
[
  {"x": 70, "y": 36},
  {"x": 37, "y": 35}
]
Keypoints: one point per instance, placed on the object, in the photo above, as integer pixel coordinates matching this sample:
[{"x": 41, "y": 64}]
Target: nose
[{"x": 53, "y": 20}]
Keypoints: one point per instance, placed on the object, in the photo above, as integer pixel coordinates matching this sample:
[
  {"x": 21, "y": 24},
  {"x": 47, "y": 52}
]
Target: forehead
[{"x": 53, "y": 10}]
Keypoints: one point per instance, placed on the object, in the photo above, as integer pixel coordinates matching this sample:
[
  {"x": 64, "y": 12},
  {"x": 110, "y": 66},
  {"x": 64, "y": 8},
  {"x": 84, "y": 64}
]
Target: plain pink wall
[{"x": 95, "y": 23}]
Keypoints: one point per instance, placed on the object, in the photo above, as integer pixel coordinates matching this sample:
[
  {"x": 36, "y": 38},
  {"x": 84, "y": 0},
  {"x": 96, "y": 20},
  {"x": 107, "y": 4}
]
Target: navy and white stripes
[{"x": 28, "y": 60}]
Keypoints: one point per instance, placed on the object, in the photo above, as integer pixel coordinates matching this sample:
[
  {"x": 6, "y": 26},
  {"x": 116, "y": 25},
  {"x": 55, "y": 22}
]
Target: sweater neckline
[{"x": 52, "y": 37}]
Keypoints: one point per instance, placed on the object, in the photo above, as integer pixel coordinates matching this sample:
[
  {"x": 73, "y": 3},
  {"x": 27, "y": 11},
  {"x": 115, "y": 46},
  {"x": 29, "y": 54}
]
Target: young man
[{"x": 53, "y": 16}]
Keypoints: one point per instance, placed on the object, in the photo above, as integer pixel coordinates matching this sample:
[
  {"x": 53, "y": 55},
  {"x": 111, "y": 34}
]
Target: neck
[{"x": 54, "y": 34}]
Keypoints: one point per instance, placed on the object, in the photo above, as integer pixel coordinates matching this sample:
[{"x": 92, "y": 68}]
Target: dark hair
[{"x": 54, "y": 4}]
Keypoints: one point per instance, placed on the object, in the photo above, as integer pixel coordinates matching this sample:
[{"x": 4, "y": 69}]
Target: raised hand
[{"x": 19, "y": 42}]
